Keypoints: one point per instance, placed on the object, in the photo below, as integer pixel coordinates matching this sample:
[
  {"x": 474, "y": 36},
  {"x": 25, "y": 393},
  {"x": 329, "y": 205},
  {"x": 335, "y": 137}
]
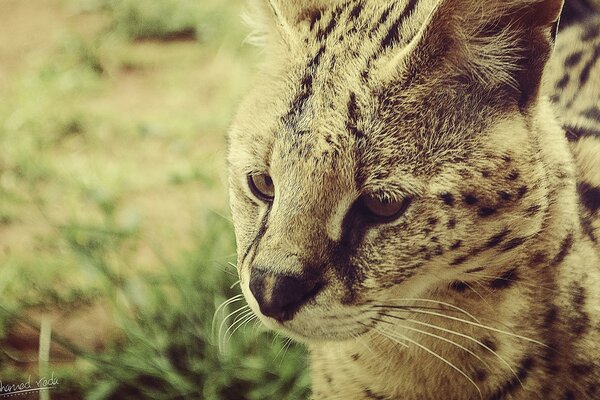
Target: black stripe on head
[
  {"x": 585, "y": 72},
  {"x": 305, "y": 92},
  {"x": 575, "y": 133},
  {"x": 323, "y": 33},
  {"x": 353, "y": 115},
  {"x": 259, "y": 235},
  {"x": 590, "y": 196},
  {"x": 356, "y": 10},
  {"x": 392, "y": 37},
  {"x": 384, "y": 17}
]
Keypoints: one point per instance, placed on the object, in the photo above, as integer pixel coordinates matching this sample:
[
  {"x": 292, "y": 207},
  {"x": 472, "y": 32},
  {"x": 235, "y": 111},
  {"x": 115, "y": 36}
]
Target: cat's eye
[
  {"x": 385, "y": 210},
  {"x": 262, "y": 186}
]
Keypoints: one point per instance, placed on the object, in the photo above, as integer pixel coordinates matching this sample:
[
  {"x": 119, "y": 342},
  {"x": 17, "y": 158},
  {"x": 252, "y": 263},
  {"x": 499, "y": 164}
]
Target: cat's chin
[{"x": 315, "y": 332}]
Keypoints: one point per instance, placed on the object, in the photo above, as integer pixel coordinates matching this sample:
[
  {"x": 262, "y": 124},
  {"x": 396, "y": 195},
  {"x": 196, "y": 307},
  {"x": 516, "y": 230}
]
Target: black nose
[{"x": 280, "y": 296}]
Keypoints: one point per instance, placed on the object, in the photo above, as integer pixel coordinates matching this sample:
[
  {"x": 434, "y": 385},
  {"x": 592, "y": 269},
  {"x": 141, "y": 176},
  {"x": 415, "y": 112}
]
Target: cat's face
[{"x": 372, "y": 164}]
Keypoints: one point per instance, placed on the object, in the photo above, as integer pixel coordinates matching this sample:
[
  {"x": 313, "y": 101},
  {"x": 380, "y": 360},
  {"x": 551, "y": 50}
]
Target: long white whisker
[
  {"x": 239, "y": 321},
  {"x": 395, "y": 336},
  {"x": 239, "y": 310},
  {"x": 440, "y": 338},
  {"x": 442, "y": 303},
  {"x": 227, "y": 302},
  {"x": 468, "y": 338},
  {"x": 246, "y": 321},
  {"x": 489, "y": 328}
]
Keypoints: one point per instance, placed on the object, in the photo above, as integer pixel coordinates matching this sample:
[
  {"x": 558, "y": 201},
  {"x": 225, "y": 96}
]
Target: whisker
[
  {"x": 240, "y": 320},
  {"x": 452, "y": 306},
  {"x": 394, "y": 336},
  {"x": 440, "y": 338},
  {"x": 246, "y": 321},
  {"x": 489, "y": 328},
  {"x": 239, "y": 310},
  {"x": 520, "y": 281},
  {"x": 479, "y": 294},
  {"x": 227, "y": 302},
  {"x": 234, "y": 284}
]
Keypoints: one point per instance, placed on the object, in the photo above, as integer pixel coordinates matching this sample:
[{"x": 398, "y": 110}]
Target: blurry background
[{"x": 114, "y": 223}]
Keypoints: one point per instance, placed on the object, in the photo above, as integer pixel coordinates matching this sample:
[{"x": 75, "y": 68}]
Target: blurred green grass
[{"x": 112, "y": 192}]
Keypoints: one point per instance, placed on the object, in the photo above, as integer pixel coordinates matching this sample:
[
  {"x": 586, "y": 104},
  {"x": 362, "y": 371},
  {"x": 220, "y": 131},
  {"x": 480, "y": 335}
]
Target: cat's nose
[{"x": 280, "y": 296}]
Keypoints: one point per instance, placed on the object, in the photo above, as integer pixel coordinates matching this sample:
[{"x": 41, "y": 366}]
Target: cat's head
[{"x": 389, "y": 149}]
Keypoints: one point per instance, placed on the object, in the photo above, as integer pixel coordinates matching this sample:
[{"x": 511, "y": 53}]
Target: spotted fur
[{"x": 486, "y": 286}]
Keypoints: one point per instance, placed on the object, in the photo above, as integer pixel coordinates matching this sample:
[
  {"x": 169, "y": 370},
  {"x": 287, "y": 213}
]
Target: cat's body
[{"x": 407, "y": 204}]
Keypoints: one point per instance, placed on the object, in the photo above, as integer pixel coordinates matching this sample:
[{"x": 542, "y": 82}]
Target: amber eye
[
  {"x": 262, "y": 186},
  {"x": 386, "y": 210}
]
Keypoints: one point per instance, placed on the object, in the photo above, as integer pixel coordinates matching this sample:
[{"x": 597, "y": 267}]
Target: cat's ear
[
  {"x": 278, "y": 22},
  {"x": 504, "y": 43}
]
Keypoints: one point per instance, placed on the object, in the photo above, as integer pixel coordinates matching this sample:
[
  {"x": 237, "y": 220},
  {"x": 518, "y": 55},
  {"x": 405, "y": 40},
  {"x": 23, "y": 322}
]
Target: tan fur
[{"x": 444, "y": 102}]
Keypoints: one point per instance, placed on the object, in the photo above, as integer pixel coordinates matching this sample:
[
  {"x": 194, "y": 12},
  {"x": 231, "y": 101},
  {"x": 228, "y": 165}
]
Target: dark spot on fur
[
  {"x": 470, "y": 199},
  {"x": 452, "y": 223},
  {"x": 506, "y": 280},
  {"x": 355, "y": 356},
  {"x": 581, "y": 369},
  {"x": 574, "y": 133},
  {"x": 490, "y": 344},
  {"x": 497, "y": 239},
  {"x": 475, "y": 270},
  {"x": 580, "y": 320},
  {"x": 375, "y": 396},
  {"x": 459, "y": 286},
  {"x": 591, "y": 32},
  {"x": 328, "y": 379},
  {"x": 456, "y": 245},
  {"x": 563, "y": 82},
  {"x": 522, "y": 191},
  {"x": 573, "y": 59},
  {"x": 565, "y": 247},
  {"x": 486, "y": 173},
  {"x": 513, "y": 243},
  {"x": 538, "y": 258},
  {"x": 486, "y": 211},
  {"x": 590, "y": 196},
  {"x": 569, "y": 395},
  {"x": 587, "y": 68},
  {"x": 505, "y": 196},
  {"x": 550, "y": 317},
  {"x": 448, "y": 199},
  {"x": 533, "y": 210},
  {"x": 432, "y": 221},
  {"x": 480, "y": 375},
  {"x": 514, "y": 175},
  {"x": 592, "y": 113},
  {"x": 587, "y": 227},
  {"x": 459, "y": 260}
]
